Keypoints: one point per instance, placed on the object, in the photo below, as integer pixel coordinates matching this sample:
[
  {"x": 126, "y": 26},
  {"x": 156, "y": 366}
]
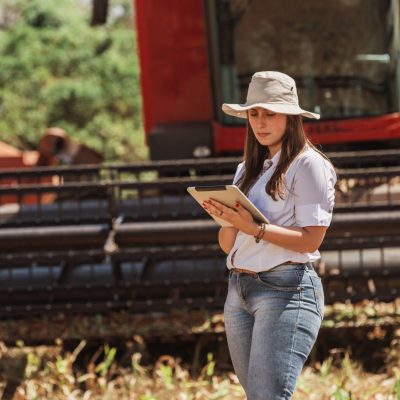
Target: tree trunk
[{"x": 99, "y": 14}]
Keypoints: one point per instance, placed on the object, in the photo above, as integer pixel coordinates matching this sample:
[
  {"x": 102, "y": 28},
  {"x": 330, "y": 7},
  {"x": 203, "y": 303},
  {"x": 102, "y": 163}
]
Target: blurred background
[
  {"x": 111, "y": 279},
  {"x": 61, "y": 68}
]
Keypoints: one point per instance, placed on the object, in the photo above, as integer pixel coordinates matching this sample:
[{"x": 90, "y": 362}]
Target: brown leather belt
[
  {"x": 253, "y": 273},
  {"x": 244, "y": 271}
]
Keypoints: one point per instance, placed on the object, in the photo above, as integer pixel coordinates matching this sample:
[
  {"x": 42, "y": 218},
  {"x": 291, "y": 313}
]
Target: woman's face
[{"x": 268, "y": 128}]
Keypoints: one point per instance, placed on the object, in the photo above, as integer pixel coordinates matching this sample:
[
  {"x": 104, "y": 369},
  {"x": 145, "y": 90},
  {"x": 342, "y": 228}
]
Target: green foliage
[
  {"x": 51, "y": 374},
  {"x": 109, "y": 356},
  {"x": 56, "y": 70},
  {"x": 48, "y": 13},
  {"x": 210, "y": 365}
]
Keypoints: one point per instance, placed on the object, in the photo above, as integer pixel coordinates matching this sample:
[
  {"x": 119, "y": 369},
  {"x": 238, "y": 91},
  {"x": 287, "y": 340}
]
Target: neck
[{"x": 273, "y": 150}]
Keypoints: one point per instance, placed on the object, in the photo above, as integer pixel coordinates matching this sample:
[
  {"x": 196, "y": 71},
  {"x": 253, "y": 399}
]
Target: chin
[{"x": 265, "y": 142}]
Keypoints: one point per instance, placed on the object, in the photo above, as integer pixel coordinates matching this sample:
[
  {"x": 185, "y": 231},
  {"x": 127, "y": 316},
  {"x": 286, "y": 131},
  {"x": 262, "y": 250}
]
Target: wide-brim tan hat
[{"x": 272, "y": 91}]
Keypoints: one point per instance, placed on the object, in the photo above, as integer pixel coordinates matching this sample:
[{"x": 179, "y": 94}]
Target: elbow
[
  {"x": 226, "y": 238},
  {"x": 313, "y": 239},
  {"x": 310, "y": 249},
  {"x": 225, "y": 247},
  {"x": 312, "y": 246}
]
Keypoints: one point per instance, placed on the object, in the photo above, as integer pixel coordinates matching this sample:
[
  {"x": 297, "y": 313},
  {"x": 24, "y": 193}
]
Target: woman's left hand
[{"x": 239, "y": 217}]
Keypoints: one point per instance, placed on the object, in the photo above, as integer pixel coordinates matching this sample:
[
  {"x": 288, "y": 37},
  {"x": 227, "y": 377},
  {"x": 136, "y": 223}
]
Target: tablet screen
[{"x": 228, "y": 195}]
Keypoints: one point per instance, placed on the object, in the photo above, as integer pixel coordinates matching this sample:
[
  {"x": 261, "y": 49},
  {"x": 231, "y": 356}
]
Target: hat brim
[{"x": 240, "y": 110}]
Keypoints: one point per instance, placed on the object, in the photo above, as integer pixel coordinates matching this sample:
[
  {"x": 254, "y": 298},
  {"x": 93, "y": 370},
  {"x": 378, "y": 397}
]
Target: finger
[
  {"x": 222, "y": 209},
  {"x": 219, "y": 211},
  {"x": 220, "y": 206},
  {"x": 214, "y": 205},
  {"x": 241, "y": 210},
  {"x": 211, "y": 209}
]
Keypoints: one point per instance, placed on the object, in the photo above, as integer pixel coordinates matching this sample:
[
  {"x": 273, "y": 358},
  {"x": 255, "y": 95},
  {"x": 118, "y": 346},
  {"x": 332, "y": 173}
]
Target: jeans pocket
[
  {"x": 281, "y": 280},
  {"x": 318, "y": 295}
]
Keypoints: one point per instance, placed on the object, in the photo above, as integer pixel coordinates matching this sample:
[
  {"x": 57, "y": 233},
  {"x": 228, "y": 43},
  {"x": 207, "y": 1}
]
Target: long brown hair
[{"x": 294, "y": 141}]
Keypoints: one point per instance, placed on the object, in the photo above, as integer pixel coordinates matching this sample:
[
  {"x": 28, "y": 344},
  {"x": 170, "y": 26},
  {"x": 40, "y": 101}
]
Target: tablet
[{"x": 228, "y": 195}]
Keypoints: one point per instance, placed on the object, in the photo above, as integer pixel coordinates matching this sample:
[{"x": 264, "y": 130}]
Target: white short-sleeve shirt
[{"x": 309, "y": 198}]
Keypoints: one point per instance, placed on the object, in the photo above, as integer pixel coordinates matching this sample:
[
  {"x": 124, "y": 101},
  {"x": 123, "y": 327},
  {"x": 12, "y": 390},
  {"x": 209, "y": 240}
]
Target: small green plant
[
  {"x": 109, "y": 356},
  {"x": 210, "y": 365},
  {"x": 397, "y": 388},
  {"x": 326, "y": 367},
  {"x": 33, "y": 364},
  {"x": 341, "y": 394}
]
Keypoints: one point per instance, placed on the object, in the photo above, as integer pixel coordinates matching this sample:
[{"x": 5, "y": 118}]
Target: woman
[{"x": 275, "y": 301}]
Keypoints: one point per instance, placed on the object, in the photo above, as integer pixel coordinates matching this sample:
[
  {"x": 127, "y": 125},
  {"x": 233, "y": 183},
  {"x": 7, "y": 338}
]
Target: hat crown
[
  {"x": 272, "y": 87},
  {"x": 273, "y": 91}
]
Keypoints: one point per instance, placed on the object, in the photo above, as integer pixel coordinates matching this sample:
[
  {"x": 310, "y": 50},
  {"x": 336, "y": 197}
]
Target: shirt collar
[{"x": 269, "y": 162}]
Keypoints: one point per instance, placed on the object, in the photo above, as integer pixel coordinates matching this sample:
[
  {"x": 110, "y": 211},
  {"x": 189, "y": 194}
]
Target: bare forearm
[
  {"x": 226, "y": 238},
  {"x": 303, "y": 240}
]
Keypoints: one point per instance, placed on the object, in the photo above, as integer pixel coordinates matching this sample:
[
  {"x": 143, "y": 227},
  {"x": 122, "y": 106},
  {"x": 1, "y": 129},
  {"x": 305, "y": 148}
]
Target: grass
[
  {"x": 125, "y": 324},
  {"x": 51, "y": 375},
  {"x": 52, "y": 372}
]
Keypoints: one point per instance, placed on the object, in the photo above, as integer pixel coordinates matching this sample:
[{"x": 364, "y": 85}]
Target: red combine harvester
[
  {"x": 55, "y": 146},
  {"x": 196, "y": 55},
  {"x": 129, "y": 237}
]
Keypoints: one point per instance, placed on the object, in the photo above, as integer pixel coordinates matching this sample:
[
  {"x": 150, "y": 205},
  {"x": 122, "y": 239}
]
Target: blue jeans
[{"x": 271, "y": 322}]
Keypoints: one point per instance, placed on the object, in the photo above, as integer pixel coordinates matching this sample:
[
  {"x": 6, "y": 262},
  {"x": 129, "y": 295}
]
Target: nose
[{"x": 261, "y": 120}]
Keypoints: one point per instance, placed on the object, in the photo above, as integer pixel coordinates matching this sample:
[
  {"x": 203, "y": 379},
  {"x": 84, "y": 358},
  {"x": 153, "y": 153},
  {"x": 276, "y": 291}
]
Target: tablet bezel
[{"x": 228, "y": 195}]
